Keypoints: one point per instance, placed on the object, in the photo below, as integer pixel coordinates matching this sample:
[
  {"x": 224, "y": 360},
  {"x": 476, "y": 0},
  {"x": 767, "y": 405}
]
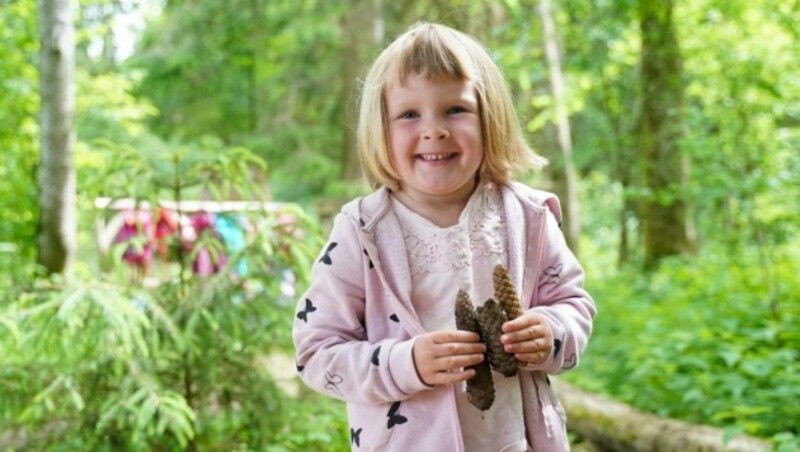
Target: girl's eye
[
  {"x": 456, "y": 109},
  {"x": 408, "y": 115}
]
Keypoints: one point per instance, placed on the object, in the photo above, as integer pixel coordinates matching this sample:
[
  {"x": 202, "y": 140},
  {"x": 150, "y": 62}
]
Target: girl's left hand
[{"x": 529, "y": 337}]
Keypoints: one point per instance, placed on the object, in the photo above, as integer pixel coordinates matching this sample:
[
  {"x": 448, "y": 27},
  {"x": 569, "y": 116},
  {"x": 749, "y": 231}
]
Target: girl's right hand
[{"x": 441, "y": 356}]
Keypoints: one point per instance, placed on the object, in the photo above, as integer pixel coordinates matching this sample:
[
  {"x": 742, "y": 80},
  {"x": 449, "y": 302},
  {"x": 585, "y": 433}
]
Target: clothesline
[
  {"x": 190, "y": 206},
  {"x": 152, "y": 234},
  {"x": 107, "y": 228}
]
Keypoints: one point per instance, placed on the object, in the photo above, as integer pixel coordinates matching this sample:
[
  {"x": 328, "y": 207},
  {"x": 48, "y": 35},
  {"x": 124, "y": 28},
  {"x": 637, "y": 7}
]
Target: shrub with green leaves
[{"x": 712, "y": 339}]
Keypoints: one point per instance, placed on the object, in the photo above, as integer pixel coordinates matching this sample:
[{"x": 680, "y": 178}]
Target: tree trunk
[
  {"x": 614, "y": 426},
  {"x": 57, "y": 233},
  {"x": 254, "y": 96},
  {"x": 622, "y": 170},
  {"x": 109, "y": 34},
  {"x": 664, "y": 211},
  {"x": 565, "y": 178},
  {"x": 361, "y": 30}
]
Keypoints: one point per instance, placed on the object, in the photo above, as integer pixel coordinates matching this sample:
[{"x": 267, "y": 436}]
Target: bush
[
  {"x": 711, "y": 339},
  {"x": 104, "y": 363}
]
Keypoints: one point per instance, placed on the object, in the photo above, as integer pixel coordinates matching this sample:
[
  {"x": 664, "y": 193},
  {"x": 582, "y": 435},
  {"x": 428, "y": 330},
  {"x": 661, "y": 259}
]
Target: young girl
[{"x": 438, "y": 139}]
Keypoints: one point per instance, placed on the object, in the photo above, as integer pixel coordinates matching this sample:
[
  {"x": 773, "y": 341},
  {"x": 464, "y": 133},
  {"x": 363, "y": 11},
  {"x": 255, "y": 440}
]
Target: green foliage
[
  {"x": 252, "y": 88},
  {"x": 316, "y": 422},
  {"x": 716, "y": 340},
  {"x": 19, "y": 131},
  {"x": 742, "y": 124},
  {"x": 108, "y": 110},
  {"x": 178, "y": 364}
]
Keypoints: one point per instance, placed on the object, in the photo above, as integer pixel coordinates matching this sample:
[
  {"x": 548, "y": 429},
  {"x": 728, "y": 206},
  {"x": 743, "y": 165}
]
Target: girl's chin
[{"x": 444, "y": 191}]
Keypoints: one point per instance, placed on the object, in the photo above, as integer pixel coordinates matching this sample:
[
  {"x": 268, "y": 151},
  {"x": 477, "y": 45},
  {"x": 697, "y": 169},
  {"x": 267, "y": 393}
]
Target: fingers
[
  {"x": 529, "y": 337},
  {"x": 446, "y": 344},
  {"x": 451, "y": 369},
  {"x": 535, "y": 352},
  {"x": 456, "y": 363},
  {"x": 529, "y": 319},
  {"x": 531, "y": 333},
  {"x": 453, "y": 336},
  {"x": 446, "y": 378},
  {"x": 535, "y": 346},
  {"x": 533, "y": 358},
  {"x": 453, "y": 349},
  {"x": 440, "y": 361}
]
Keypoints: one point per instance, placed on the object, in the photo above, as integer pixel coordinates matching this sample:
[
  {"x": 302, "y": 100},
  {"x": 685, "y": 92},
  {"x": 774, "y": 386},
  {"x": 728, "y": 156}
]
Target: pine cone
[
  {"x": 480, "y": 388},
  {"x": 491, "y": 318},
  {"x": 506, "y": 293},
  {"x": 465, "y": 314}
]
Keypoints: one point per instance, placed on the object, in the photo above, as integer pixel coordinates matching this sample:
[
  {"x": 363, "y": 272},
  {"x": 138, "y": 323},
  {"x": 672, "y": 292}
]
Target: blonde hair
[{"x": 442, "y": 53}]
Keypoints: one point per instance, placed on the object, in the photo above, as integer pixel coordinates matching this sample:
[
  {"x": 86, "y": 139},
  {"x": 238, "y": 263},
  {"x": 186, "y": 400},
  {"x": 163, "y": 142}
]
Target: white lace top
[{"x": 462, "y": 256}]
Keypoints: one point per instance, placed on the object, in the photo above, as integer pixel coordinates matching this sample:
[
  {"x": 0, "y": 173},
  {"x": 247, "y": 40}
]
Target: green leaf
[
  {"x": 77, "y": 399},
  {"x": 11, "y": 326},
  {"x": 209, "y": 318}
]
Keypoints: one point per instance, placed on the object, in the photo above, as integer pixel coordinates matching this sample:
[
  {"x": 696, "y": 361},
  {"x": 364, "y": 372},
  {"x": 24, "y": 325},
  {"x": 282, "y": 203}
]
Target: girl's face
[{"x": 435, "y": 139}]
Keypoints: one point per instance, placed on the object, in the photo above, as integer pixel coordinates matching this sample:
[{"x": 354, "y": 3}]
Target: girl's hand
[
  {"x": 440, "y": 356},
  {"x": 529, "y": 337}
]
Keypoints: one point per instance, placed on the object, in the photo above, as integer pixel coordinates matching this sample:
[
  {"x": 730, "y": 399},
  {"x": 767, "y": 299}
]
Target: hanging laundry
[
  {"x": 210, "y": 258},
  {"x": 136, "y": 235},
  {"x": 233, "y": 236},
  {"x": 166, "y": 227},
  {"x": 136, "y": 231}
]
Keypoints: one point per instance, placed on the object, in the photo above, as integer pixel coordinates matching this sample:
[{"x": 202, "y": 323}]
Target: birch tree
[
  {"x": 57, "y": 235},
  {"x": 564, "y": 175}
]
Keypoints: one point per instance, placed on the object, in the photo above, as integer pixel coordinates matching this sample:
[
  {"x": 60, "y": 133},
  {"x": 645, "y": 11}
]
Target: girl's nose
[{"x": 436, "y": 131}]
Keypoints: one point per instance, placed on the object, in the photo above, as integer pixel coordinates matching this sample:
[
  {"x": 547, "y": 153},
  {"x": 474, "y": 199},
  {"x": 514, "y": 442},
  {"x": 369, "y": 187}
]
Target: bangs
[{"x": 432, "y": 53}]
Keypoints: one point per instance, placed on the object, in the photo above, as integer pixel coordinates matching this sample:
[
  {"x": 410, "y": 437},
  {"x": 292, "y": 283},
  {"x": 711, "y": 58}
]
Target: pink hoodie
[{"x": 355, "y": 326}]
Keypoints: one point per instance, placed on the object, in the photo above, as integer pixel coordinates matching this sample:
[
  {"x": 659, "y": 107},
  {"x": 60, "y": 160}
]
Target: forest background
[{"x": 673, "y": 130}]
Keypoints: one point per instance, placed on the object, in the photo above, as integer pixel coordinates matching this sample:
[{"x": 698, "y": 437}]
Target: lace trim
[{"x": 479, "y": 233}]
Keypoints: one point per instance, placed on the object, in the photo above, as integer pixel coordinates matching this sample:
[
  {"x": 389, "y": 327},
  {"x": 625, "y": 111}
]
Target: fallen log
[{"x": 614, "y": 426}]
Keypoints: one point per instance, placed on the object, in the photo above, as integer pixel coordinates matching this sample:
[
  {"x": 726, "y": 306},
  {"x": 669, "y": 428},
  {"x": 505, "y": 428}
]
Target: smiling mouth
[{"x": 436, "y": 157}]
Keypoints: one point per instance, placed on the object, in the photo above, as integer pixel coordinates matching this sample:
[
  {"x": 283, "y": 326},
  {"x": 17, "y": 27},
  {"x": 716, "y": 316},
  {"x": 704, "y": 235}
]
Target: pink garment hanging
[
  {"x": 136, "y": 230},
  {"x": 207, "y": 263}
]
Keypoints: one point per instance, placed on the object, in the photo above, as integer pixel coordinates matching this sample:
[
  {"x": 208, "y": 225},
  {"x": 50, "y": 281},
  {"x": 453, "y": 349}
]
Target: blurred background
[{"x": 170, "y": 168}]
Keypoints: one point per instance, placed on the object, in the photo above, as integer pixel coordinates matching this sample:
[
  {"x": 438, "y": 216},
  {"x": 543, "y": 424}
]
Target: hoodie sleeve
[
  {"x": 560, "y": 297},
  {"x": 333, "y": 355}
]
